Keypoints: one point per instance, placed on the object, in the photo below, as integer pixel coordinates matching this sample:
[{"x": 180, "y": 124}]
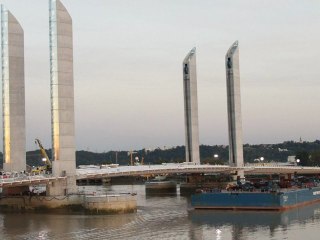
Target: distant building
[
  {"x": 291, "y": 159},
  {"x": 282, "y": 150}
]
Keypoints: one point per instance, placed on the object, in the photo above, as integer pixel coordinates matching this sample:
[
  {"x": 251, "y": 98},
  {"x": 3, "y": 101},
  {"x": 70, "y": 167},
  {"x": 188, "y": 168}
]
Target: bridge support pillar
[
  {"x": 234, "y": 106},
  {"x": 288, "y": 176},
  {"x": 239, "y": 176},
  {"x": 63, "y": 187},
  {"x": 62, "y": 98}
]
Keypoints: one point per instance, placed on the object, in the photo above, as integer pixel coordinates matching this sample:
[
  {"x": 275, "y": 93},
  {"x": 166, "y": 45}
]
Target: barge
[{"x": 281, "y": 199}]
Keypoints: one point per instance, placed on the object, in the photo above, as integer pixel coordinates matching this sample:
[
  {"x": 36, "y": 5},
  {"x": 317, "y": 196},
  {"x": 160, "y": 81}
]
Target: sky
[{"x": 128, "y": 70}]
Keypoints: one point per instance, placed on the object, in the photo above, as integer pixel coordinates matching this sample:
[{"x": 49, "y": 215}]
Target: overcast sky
[{"x": 128, "y": 69}]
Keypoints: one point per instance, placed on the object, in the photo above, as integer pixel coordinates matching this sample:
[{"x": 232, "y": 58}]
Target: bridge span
[
  {"x": 155, "y": 170},
  {"x": 182, "y": 169},
  {"x": 152, "y": 170}
]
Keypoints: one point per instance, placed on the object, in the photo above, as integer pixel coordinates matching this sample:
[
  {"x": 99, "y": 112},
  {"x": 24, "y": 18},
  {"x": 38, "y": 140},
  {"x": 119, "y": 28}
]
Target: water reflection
[
  {"x": 41, "y": 224},
  {"x": 244, "y": 222}
]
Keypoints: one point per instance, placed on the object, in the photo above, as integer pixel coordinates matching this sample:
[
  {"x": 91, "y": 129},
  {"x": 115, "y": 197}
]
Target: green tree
[
  {"x": 304, "y": 158},
  {"x": 315, "y": 158}
]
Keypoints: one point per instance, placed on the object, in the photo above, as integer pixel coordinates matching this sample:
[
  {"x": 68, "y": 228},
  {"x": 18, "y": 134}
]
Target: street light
[
  {"x": 298, "y": 161},
  {"x": 261, "y": 159},
  {"x": 216, "y": 156}
]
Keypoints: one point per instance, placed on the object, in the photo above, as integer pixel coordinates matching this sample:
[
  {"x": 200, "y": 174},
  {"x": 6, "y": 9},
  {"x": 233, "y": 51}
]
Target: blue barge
[{"x": 280, "y": 200}]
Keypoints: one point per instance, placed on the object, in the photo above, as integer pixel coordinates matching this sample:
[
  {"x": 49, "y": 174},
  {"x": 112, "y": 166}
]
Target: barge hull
[{"x": 256, "y": 200}]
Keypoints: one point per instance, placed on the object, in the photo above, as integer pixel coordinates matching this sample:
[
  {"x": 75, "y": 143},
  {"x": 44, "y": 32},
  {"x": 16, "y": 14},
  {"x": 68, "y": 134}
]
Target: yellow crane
[
  {"x": 135, "y": 161},
  {"x": 44, "y": 156}
]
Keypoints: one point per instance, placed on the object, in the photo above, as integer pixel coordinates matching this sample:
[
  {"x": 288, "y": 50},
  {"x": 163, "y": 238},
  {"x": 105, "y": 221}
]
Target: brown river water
[{"x": 164, "y": 216}]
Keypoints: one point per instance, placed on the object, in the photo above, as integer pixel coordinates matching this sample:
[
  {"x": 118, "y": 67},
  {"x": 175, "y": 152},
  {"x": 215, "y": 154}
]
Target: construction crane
[
  {"x": 135, "y": 161},
  {"x": 131, "y": 157},
  {"x": 44, "y": 156}
]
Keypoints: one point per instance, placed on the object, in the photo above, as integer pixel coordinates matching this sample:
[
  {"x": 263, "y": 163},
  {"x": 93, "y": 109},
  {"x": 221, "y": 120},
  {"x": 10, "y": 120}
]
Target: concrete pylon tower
[
  {"x": 191, "y": 107},
  {"x": 62, "y": 94},
  {"x": 13, "y": 92},
  {"x": 234, "y": 106}
]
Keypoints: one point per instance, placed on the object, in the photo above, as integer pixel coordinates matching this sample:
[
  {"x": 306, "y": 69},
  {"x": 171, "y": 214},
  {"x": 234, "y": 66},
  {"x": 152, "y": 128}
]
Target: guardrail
[{"x": 27, "y": 180}]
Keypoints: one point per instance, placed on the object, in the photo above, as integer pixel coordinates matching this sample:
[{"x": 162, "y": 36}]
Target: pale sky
[{"x": 128, "y": 69}]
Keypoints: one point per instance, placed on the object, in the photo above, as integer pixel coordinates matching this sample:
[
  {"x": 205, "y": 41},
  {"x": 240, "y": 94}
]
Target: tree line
[{"x": 307, "y": 152}]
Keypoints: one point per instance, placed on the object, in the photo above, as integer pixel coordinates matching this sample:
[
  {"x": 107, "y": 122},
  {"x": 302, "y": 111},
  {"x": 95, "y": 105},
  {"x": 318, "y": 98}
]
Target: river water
[{"x": 164, "y": 216}]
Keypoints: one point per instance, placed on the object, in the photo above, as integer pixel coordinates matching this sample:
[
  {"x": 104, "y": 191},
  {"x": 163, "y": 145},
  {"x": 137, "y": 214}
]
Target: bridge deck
[
  {"x": 28, "y": 180},
  {"x": 157, "y": 169},
  {"x": 180, "y": 168}
]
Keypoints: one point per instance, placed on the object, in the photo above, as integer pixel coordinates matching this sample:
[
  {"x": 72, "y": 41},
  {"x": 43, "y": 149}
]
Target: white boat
[
  {"x": 113, "y": 165},
  {"x": 89, "y": 167}
]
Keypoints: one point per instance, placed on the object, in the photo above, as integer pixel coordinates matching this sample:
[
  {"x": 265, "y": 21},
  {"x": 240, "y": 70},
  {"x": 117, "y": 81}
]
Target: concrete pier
[
  {"x": 91, "y": 204},
  {"x": 106, "y": 204},
  {"x": 41, "y": 203}
]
